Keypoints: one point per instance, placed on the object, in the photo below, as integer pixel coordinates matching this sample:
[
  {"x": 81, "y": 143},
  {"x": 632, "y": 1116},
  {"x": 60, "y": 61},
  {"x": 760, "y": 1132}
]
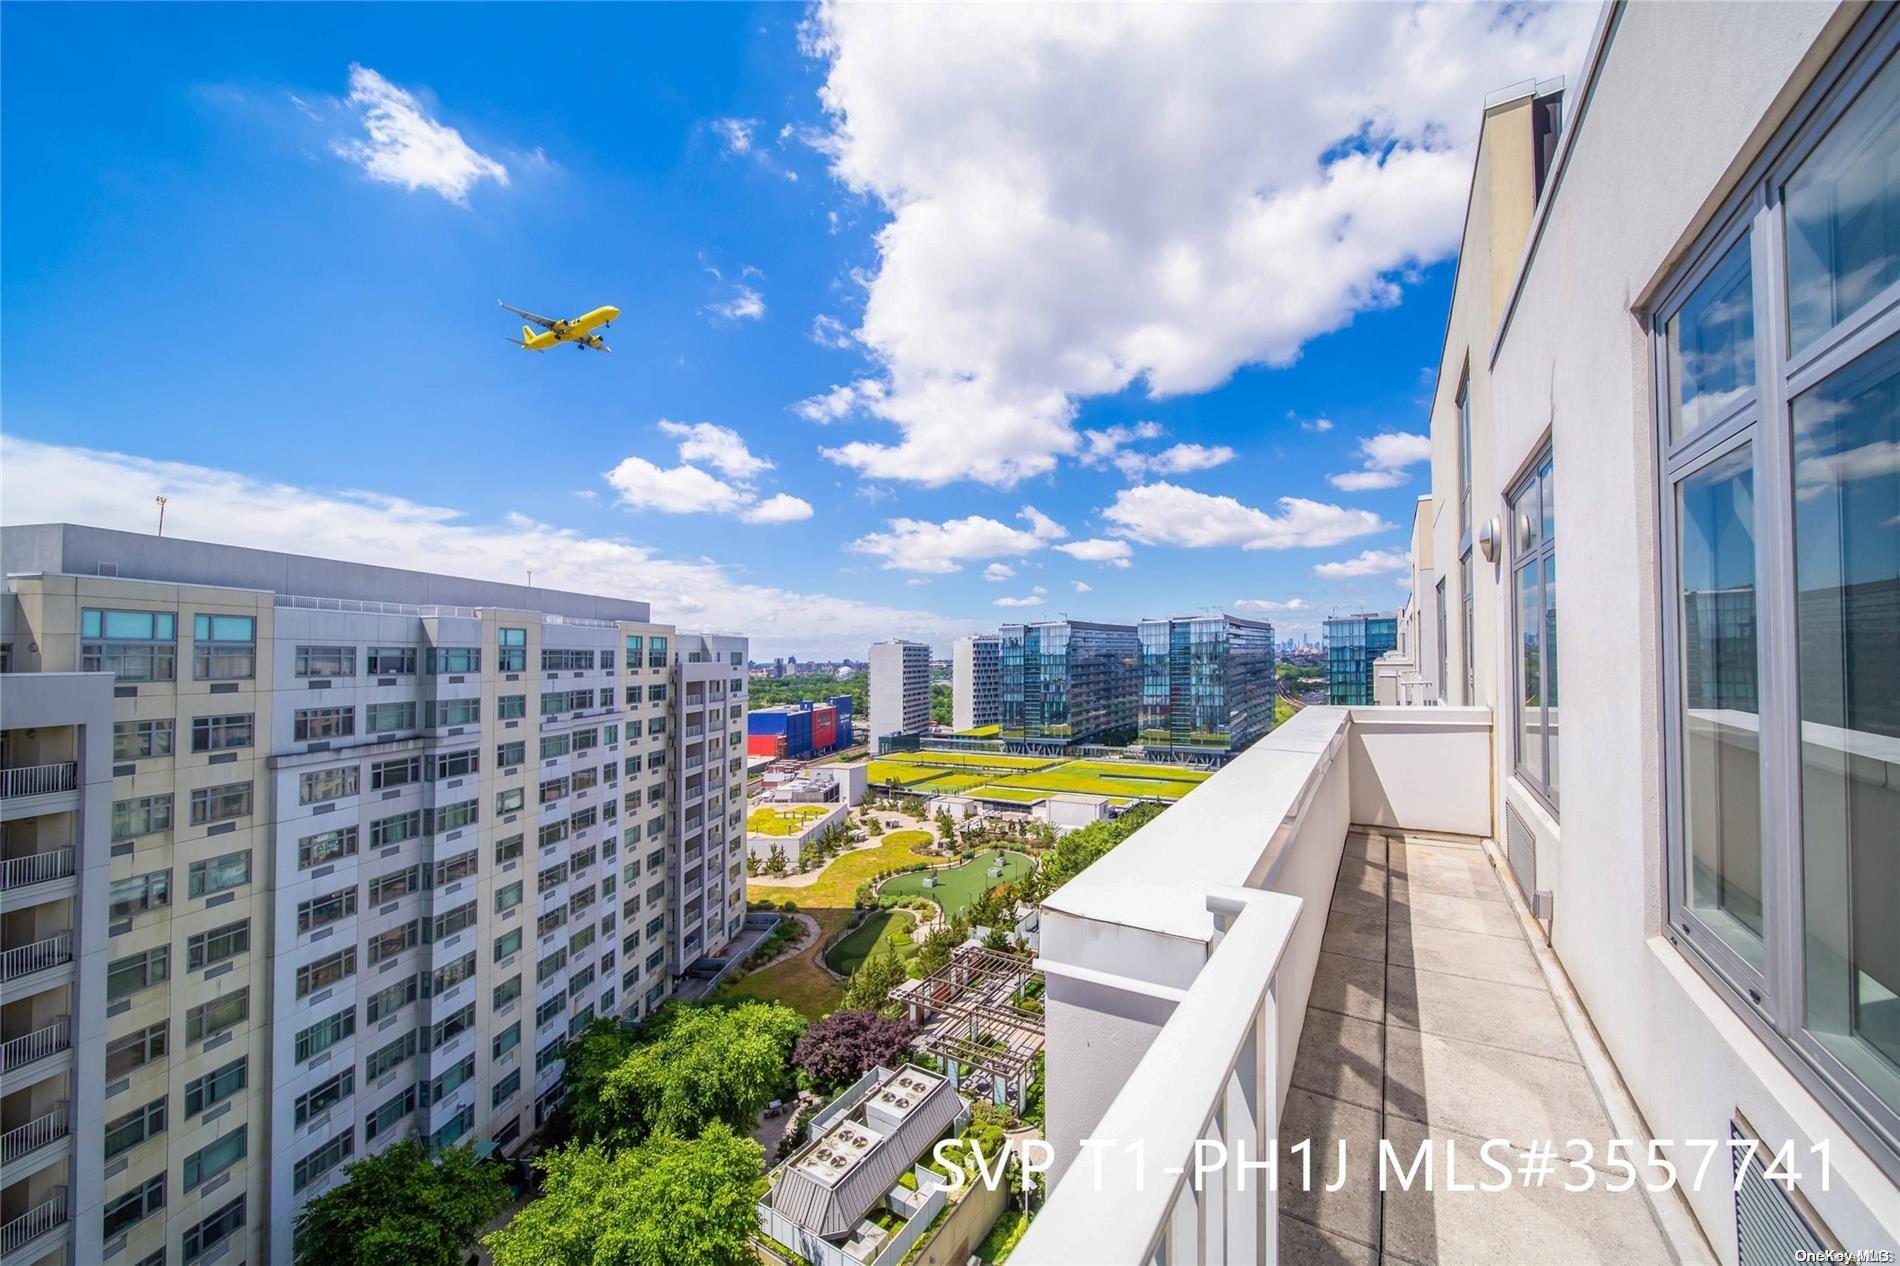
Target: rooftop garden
[{"x": 784, "y": 819}]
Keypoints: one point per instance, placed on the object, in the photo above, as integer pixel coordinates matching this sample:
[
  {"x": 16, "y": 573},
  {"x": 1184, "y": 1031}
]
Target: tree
[
  {"x": 1078, "y": 850},
  {"x": 667, "y": 1202},
  {"x": 934, "y": 954},
  {"x": 845, "y": 1045},
  {"x": 871, "y": 984},
  {"x": 403, "y": 1207},
  {"x": 697, "y": 1065},
  {"x": 601, "y": 1047},
  {"x": 946, "y": 827},
  {"x": 940, "y": 710}
]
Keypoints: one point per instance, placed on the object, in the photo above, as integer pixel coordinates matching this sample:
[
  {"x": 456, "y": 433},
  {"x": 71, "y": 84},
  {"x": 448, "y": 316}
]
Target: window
[
  {"x": 1465, "y": 627},
  {"x": 445, "y": 712},
  {"x": 549, "y": 966},
  {"x": 553, "y": 833},
  {"x": 326, "y": 971},
  {"x": 327, "y": 909},
  {"x": 388, "y": 1001},
  {"x": 127, "y": 976},
  {"x": 228, "y": 870},
  {"x": 316, "y": 724},
  {"x": 550, "y": 1011},
  {"x": 327, "y": 784},
  {"x": 391, "y": 1113},
  {"x": 400, "y": 772},
  {"x": 560, "y": 660},
  {"x": 225, "y": 647},
  {"x": 507, "y": 850},
  {"x": 131, "y": 645},
  {"x": 326, "y": 661},
  {"x": 506, "y": 1040},
  {"x": 397, "y": 883},
  {"x": 142, "y": 815},
  {"x": 450, "y": 922},
  {"x": 512, "y": 655},
  {"x": 455, "y": 659},
  {"x": 389, "y": 718},
  {"x": 1782, "y": 561},
  {"x": 392, "y": 661},
  {"x": 324, "y": 1034},
  {"x": 635, "y": 644},
  {"x": 553, "y": 789},
  {"x": 139, "y": 894},
  {"x": 1463, "y": 401},
  {"x": 455, "y": 764},
  {"x": 456, "y": 1126},
  {"x": 141, "y": 740},
  {"x": 512, "y": 800},
  {"x": 325, "y": 1095},
  {"x": 453, "y": 1079},
  {"x": 389, "y": 943},
  {"x": 461, "y": 866},
  {"x": 586, "y": 779},
  {"x": 452, "y": 974},
  {"x": 127, "y": 1132},
  {"x": 453, "y": 817},
  {"x": 606, "y": 661},
  {"x": 505, "y": 1089},
  {"x": 553, "y": 701},
  {"x": 511, "y": 707},
  {"x": 448, "y": 1030},
  {"x": 656, "y": 694},
  {"x": 208, "y": 1019},
  {"x": 135, "y": 1050},
  {"x": 510, "y": 754},
  {"x": 508, "y": 943},
  {"x": 326, "y": 846},
  {"x": 134, "y": 1206},
  {"x": 551, "y": 921},
  {"x": 656, "y": 653},
  {"x": 392, "y": 1056},
  {"x": 214, "y": 1158},
  {"x": 395, "y": 829},
  {"x": 220, "y": 804},
  {"x": 553, "y": 745},
  {"x": 508, "y": 897},
  {"x": 215, "y": 1087},
  {"x": 220, "y": 943},
  {"x": 214, "y": 1230},
  {"x": 1533, "y": 518},
  {"x": 323, "y": 1160}
]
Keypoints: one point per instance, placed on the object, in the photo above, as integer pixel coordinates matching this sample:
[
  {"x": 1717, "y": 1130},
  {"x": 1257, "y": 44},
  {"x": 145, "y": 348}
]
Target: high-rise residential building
[
  {"x": 900, "y": 689},
  {"x": 1068, "y": 681},
  {"x": 976, "y": 681},
  {"x": 1207, "y": 685},
  {"x": 1353, "y": 642},
  {"x": 1672, "y": 358},
  {"x": 277, "y": 831}
]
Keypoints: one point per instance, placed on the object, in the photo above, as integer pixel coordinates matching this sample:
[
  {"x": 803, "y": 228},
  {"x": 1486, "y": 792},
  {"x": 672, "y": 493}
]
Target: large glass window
[
  {"x": 225, "y": 647},
  {"x": 132, "y": 645},
  {"x": 1534, "y": 590},
  {"x": 1781, "y": 503}
]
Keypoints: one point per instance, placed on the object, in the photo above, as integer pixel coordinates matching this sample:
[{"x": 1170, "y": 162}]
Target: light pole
[{"x": 161, "y": 514}]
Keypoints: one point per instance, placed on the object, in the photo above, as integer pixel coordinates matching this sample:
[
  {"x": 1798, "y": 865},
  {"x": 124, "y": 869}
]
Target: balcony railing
[
  {"x": 24, "y": 960},
  {"x": 38, "y": 780},
  {"x": 41, "y": 1043},
  {"x": 42, "y": 1131},
  {"x": 46, "y": 1216},
  {"x": 36, "y": 868}
]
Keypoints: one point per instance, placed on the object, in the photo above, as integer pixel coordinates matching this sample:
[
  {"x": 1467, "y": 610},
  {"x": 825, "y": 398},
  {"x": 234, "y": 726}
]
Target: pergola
[{"x": 967, "y": 1014}]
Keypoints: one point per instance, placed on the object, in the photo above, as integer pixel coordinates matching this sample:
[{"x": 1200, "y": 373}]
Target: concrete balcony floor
[{"x": 1431, "y": 1017}]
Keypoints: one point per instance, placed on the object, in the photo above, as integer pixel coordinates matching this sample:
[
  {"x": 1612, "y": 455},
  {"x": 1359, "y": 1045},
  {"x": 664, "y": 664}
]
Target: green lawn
[
  {"x": 784, "y": 820},
  {"x": 1104, "y": 785},
  {"x": 845, "y": 957},
  {"x": 959, "y": 886},
  {"x": 1011, "y": 795},
  {"x": 1283, "y": 710},
  {"x": 972, "y": 760},
  {"x": 949, "y": 784}
]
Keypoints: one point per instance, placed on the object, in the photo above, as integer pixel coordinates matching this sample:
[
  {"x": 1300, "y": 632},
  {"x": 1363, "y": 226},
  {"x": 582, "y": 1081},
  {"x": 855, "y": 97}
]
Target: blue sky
[{"x": 1148, "y": 275}]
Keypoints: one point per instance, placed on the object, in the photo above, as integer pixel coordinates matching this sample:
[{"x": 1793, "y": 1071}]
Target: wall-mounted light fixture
[{"x": 1488, "y": 539}]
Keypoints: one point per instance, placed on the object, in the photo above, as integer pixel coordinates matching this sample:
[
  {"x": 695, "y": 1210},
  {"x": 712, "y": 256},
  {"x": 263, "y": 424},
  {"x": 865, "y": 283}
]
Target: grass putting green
[
  {"x": 1008, "y": 795},
  {"x": 1102, "y": 785},
  {"x": 772, "y": 820},
  {"x": 890, "y": 925},
  {"x": 971, "y": 760},
  {"x": 957, "y": 887}
]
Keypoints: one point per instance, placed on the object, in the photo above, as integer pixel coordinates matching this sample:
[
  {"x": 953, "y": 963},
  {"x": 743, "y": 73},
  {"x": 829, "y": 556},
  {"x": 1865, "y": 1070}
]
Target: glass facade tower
[
  {"x": 1067, "y": 682},
  {"x": 1207, "y": 684},
  {"x": 1352, "y": 643}
]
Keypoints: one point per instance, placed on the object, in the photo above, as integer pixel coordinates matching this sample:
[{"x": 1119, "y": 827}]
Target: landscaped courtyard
[
  {"x": 1027, "y": 779},
  {"x": 895, "y": 926},
  {"x": 784, "y": 819},
  {"x": 956, "y": 888}
]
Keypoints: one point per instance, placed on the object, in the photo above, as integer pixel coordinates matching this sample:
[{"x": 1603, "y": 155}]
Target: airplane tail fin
[{"x": 527, "y": 334}]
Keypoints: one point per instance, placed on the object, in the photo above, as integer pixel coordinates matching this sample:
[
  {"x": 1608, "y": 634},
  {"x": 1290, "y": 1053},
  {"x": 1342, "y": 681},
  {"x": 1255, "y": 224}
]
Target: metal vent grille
[
  {"x": 1769, "y": 1230},
  {"x": 108, "y": 569},
  {"x": 1520, "y": 848}
]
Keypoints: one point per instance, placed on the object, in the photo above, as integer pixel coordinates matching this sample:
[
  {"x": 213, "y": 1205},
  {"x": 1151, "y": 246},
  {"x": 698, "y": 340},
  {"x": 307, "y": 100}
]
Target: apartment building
[
  {"x": 1410, "y": 672},
  {"x": 976, "y": 681},
  {"x": 338, "y": 799},
  {"x": 1067, "y": 682},
  {"x": 1671, "y": 363},
  {"x": 1207, "y": 686},
  {"x": 900, "y": 689},
  {"x": 1353, "y": 643}
]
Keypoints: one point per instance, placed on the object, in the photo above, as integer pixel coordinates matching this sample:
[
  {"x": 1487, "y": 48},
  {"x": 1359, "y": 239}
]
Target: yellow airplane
[{"x": 578, "y": 332}]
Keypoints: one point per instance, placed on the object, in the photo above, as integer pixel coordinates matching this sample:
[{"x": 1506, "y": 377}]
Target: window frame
[
  {"x": 1538, "y": 471},
  {"x": 1771, "y": 1000}
]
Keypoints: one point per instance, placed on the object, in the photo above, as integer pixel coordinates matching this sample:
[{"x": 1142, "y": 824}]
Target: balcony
[
  {"x": 31, "y": 790},
  {"x": 35, "y": 878},
  {"x": 1319, "y": 944},
  {"x": 35, "y": 1229},
  {"x": 28, "y": 1147},
  {"x": 30, "y": 1056},
  {"x": 23, "y": 962}
]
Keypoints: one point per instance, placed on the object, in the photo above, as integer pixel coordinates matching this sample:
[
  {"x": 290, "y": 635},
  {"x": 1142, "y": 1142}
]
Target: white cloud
[
  {"x": 779, "y": 508},
  {"x": 1270, "y": 605},
  {"x": 680, "y": 490},
  {"x": 409, "y": 148},
  {"x": 1168, "y": 514},
  {"x": 743, "y": 304},
  {"x": 718, "y": 446},
  {"x": 736, "y": 134},
  {"x": 829, "y": 406},
  {"x": 829, "y": 331},
  {"x": 1178, "y": 460},
  {"x": 1319, "y": 425},
  {"x": 1080, "y": 586},
  {"x": 586, "y": 494},
  {"x": 1032, "y": 599},
  {"x": 1386, "y": 457},
  {"x": 1370, "y": 562},
  {"x": 1052, "y": 238},
  {"x": 47, "y": 483},
  {"x": 917, "y": 582},
  {"x": 998, "y": 572},
  {"x": 918, "y": 545},
  {"x": 1100, "y": 446},
  {"x": 1114, "y": 553}
]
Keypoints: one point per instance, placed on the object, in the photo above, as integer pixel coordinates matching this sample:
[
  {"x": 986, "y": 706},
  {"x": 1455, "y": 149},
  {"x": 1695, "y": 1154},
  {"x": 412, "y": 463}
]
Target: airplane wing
[
  {"x": 546, "y": 323},
  {"x": 518, "y": 343}
]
